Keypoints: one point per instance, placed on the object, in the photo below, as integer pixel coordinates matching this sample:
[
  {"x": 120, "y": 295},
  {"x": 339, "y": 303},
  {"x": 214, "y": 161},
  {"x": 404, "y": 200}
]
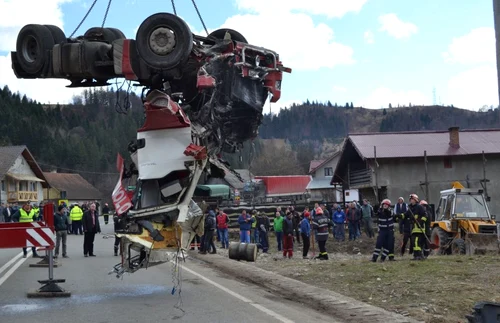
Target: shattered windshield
[{"x": 470, "y": 206}]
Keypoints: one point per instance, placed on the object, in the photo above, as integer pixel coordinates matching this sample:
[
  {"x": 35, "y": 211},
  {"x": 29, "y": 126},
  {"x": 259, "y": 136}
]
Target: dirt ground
[{"x": 439, "y": 289}]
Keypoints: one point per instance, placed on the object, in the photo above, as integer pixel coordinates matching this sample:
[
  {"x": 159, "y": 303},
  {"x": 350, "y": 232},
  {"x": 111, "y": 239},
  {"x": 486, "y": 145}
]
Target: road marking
[
  {"x": 13, "y": 269},
  {"x": 7, "y": 265},
  {"x": 241, "y": 298}
]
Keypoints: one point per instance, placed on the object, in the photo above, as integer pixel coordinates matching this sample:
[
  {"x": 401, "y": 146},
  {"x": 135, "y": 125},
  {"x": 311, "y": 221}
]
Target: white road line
[
  {"x": 7, "y": 265},
  {"x": 13, "y": 269},
  {"x": 241, "y": 298}
]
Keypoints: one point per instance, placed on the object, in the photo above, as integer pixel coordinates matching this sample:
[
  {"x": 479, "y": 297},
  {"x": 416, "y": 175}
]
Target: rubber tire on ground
[
  {"x": 108, "y": 35},
  {"x": 183, "y": 41},
  {"x": 220, "y": 33},
  {"x": 440, "y": 238},
  {"x": 251, "y": 252},
  {"x": 458, "y": 247},
  {"x": 57, "y": 34},
  {"x": 45, "y": 42},
  {"x": 233, "y": 250}
]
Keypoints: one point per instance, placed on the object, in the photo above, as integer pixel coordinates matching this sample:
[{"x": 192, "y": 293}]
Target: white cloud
[
  {"x": 46, "y": 91},
  {"x": 295, "y": 37},
  {"x": 382, "y": 96},
  {"x": 329, "y": 8},
  {"x": 396, "y": 27},
  {"x": 15, "y": 14},
  {"x": 369, "y": 37},
  {"x": 476, "y": 47},
  {"x": 337, "y": 88},
  {"x": 474, "y": 88}
]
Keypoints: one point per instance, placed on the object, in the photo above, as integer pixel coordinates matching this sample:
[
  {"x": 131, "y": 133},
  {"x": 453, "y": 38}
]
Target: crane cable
[
  {"x": 199, "y": 16},
  {"x": 106, "y": 14},
  {"x": 173, "y": 7},
  {"x": 85, "y": 17}
]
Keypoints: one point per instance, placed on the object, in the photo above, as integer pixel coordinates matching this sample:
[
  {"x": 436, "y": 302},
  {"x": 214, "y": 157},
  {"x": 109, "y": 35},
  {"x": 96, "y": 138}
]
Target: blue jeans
[
  {"x": 219, "y": 236},
  {"x": 245, "y": 236},
  {"x": 339, "y": 231},
  {"x": 279, "y": 238},
  {"x": 224, "y": 235},
  {"x": 353, "y": 230},
  {"x": 256, "y": 235}
]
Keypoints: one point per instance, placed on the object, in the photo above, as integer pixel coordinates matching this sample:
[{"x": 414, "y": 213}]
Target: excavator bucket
[{"x": 481, "y": 243}]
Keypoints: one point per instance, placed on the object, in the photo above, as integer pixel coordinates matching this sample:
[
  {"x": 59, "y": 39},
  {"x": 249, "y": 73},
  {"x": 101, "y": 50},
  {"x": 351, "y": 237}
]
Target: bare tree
[{"x": 276, "y": 161}]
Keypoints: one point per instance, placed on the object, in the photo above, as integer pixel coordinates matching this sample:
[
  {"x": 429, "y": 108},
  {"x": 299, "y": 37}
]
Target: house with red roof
[{"x": 390, "y": 165}]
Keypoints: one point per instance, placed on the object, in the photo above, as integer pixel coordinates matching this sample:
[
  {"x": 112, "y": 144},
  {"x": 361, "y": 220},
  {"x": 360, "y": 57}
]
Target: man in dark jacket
[
  {"x": 321, "y": 224},
  {"x": 91, "y": 226},
  {"x": 353, "y": 217},
  {"x": 263, "y": 225},
  {"x": 105, "y": 213},
  {"x": 61, "y": 228},
  {"x": 405, "y": 224},
  {"x": 296, "y": 222},
  {"x": 210, "y": 226},
  {"x": 288, "y": 236}
]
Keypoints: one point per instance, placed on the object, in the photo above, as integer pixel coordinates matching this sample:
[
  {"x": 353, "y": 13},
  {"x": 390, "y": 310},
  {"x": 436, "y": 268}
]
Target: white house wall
[
  {"x": 320, "y": 172},
  {"x": 22, "y": 167}
]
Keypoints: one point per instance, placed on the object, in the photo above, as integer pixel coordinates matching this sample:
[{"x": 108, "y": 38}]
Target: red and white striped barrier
[{"x": 30, "y": 234}]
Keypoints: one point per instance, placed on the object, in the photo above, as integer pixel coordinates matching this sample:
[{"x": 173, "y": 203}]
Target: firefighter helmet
[
  {"x": 414, "y": 196},
  {"x": 319, "y": 210},
  {"x": 386, "y": 201},
  {"x": 424, "y": 202}
]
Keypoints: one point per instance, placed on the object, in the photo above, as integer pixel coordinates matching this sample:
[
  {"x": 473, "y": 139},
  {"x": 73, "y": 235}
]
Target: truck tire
[
  {"x": 220, "y": 33},
  {"x": 441, "y": 239},
  {"x": 57, "y": 34},
  {"x": 164, "y": 41},
  {"x": 33, "y": 44},
  {"x": 103, "y": 34},
  {"x": 458, "y": 247}
]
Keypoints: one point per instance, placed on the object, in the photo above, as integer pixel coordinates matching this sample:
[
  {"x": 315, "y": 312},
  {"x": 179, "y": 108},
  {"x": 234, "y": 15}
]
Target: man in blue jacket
[
  {"x": 338, "y": 219},
  {"x": 305, "y": 232},
  {"x": 245, "y": 220}
]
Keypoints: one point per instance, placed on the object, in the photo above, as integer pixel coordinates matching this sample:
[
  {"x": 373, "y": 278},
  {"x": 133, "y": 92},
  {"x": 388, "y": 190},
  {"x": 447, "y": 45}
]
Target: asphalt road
[{"x": 145, "y": 296}]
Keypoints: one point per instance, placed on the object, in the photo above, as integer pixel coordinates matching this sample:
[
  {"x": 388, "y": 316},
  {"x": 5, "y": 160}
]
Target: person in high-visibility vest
[
  {"x": 76, "y": 216},
  {"x": 23, "y": 215}
]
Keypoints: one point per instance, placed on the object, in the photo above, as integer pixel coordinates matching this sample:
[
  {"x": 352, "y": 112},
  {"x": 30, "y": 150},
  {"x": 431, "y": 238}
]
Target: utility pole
[
  {"x": 376, "y": 173},
  {"x": 426, "y": 177},
  {"x": 496, "y": 16},
  {"x": 484, "y": 177}
]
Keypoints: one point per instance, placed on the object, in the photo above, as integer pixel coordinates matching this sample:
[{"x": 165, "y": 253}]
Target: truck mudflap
[{"x": 481, "y": 243}]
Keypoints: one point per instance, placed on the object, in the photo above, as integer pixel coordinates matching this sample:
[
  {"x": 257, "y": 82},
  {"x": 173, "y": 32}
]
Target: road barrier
[{"x": 38, "y": 235}]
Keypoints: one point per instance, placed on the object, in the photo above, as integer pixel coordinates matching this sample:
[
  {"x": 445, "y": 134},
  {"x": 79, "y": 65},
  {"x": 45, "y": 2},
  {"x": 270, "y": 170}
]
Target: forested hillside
[{"x": 85, "y": 136}]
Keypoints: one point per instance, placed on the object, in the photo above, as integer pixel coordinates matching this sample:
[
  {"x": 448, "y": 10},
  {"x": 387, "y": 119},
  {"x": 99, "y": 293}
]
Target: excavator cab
[{"x": 463, "y": 223}]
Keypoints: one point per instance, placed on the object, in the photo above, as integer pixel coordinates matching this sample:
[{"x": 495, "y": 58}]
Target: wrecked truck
[{"x": 202, "y": 96}]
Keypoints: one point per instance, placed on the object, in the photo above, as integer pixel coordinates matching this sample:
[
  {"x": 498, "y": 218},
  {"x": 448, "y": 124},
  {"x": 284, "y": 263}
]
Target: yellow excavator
[{"x": 463, "y": 223}]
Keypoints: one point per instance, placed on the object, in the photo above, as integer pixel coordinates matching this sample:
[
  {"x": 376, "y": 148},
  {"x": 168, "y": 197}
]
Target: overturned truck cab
[{"x": 202, "y": 96}]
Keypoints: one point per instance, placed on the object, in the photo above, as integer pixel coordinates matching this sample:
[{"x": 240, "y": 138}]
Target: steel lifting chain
[
  {"x": 173, "y": 7},
  {"x": 199, "y": 16},
  {"x": 85, "y": 17},
  {"x": 106, "y": 14}
]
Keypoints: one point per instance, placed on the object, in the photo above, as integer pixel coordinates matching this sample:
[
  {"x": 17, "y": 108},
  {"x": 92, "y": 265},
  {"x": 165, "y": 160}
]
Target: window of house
[
  {"x": 347, "y": 193},
  {"x": 33, "y": 187},
  {"x": 447, "y": 162},
  {"x": 328, "y": 171}
]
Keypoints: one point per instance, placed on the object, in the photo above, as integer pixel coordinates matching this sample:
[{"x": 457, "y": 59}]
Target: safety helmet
[
  {"x": 414, "y": 196},
  {"x": 386, "y": 201},
  {"x": 319, "y": 210},
  {"x": 423, "y": 202}
]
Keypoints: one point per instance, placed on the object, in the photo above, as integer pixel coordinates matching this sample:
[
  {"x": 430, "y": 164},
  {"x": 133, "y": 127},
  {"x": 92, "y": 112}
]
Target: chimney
[{"x": 454, "y": 137}]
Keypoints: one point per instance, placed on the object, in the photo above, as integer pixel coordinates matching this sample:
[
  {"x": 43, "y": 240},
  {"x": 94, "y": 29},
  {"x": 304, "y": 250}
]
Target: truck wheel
[
  {"x": 33, "y": 44},
  {"x": 164, "y": 41},
  {"x": 118, "y": 33},
  {"x": 102, "y": 34},
  {"x": 458, "y": 247},
  {"x": 220, "y": 33},
  {"x": 441, "y": 239},
  {"x": 57, "y": 34}
]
